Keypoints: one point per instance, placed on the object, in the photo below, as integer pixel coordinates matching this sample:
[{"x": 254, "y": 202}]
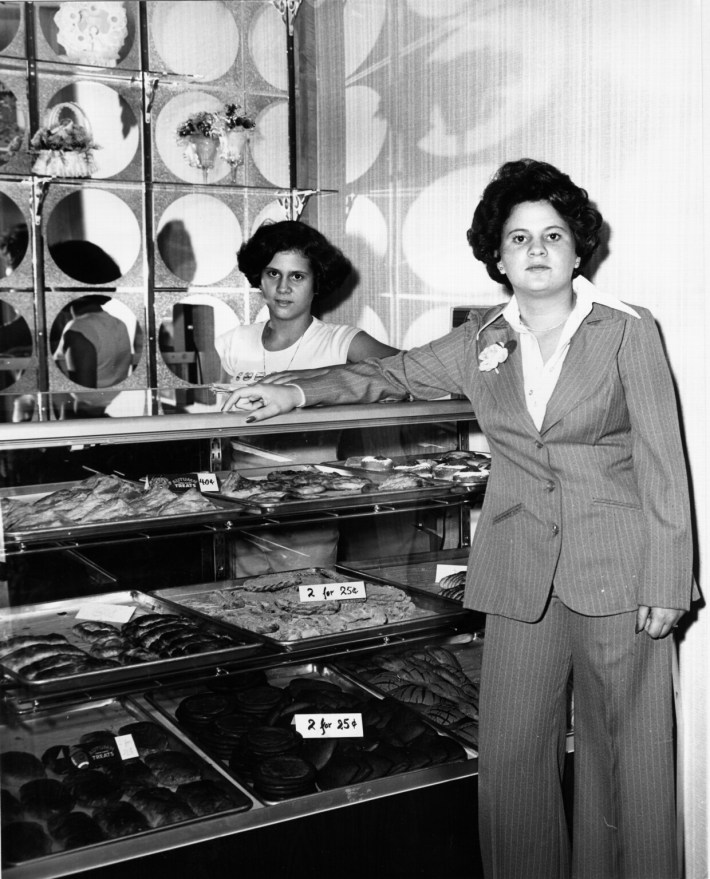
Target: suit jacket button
[
  {"x": 555, "y": 529},
  {"x": 538, "y": 444},
  {"x": 549, "y": 485}
]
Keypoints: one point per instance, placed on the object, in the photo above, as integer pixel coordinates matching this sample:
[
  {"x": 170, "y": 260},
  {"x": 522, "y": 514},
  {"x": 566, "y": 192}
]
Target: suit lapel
[
  {"x": 507, "y": 384},
  {"x": 593, "y": 345}
]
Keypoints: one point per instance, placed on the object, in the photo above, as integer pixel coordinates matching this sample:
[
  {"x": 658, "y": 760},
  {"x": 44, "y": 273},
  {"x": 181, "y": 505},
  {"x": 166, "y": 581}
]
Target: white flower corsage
[{"x": 492, "y": 357}]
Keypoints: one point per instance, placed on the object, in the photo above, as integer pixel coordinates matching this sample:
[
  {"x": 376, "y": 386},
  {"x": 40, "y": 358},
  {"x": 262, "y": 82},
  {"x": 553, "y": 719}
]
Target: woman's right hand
[{"x": 264, "y": 400}]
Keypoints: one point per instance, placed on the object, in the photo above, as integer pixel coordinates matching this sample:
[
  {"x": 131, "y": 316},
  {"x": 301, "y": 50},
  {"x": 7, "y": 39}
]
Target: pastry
[
  {"x": 42, "y": 798},
  {"x": 120, "y": 819},
  {"x": 147, "y": 736},
  {"x": 206, "y": 797},
  {"x": 10, "y": 807},
  {"x": 23, "y": 840},
  {"x": 74, "y": 830},
  {"x": 160, "y": 806},
  {"x": 18, "y": 767},
  {"x": 376, "y": 462},
  {"x": 172, "y": 768},
  {"x": 24, "y": 656},
  {"x": 401, "y": 482},
  {"x": 94, "y": 631},
  {"x": 133, "y": 775},
  {"x": 92, "y": 788},
  {"x": 9, "y": 645}
]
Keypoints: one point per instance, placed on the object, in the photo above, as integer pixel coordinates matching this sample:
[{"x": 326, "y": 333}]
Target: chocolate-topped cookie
[
  {"x": 285, "y": 776},
  {"x": 224, "y": 733},
  {"x": 258, "y": 700},
  {"x": 198, "y": 710}
]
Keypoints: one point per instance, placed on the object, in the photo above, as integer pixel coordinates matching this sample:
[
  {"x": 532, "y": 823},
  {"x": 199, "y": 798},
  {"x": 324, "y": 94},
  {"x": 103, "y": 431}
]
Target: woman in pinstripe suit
[{"x": 582, "y": 555}]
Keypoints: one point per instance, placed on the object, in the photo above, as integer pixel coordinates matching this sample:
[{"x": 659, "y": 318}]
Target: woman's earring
[
  {"x": 500, "y": 268},
  {"x": 577, "y": 262}
]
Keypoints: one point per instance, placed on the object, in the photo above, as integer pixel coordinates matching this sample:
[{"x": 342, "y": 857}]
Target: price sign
[
  {"x": 445, "y": 570},
  {"x": 333, "y": 591},
  {"x": 106, "y": 613},
  {"x": 329, "y": 726},
  {"x": 126, "y": 747},
  {"x": 207, "y": 481}
]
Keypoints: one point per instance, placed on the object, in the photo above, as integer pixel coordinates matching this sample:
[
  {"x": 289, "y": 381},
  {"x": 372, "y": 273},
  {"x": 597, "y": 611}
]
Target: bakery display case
[{"x": 269, "y": 689}]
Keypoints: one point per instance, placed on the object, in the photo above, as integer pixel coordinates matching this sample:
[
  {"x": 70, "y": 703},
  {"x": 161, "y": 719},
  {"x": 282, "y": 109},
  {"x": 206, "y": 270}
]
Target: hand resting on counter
[{"x": 264, "y": 400}]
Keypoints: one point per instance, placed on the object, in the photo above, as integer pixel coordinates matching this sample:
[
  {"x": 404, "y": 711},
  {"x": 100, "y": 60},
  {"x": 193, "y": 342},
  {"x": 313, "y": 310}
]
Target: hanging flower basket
[{"x": 64, "y": 147}]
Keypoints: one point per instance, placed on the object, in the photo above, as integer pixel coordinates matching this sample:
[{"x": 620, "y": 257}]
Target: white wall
[{"x": 420, "y": 101}]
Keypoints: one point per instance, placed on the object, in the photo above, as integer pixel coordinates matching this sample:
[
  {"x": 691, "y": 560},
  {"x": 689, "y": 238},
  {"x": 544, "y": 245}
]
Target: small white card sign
[
  {"x": 333, "y": 591},
  {"x": 207, "y": 481},
  {"x": 328, "y": 726},
  {"x": 106, "y": 613},
  {"x": 445, "y": 570},
  {"x": 126, "y": 747}
]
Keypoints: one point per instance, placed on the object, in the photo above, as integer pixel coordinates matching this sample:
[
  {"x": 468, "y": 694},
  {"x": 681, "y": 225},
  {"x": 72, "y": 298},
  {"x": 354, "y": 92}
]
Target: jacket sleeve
[
  {"x": 660, "y": 466},
  {"x": 424, "y": 373}
]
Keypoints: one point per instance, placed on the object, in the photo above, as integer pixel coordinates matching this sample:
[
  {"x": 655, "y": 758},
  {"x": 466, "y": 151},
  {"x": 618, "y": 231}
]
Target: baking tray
[
  {"x": 226, "y": 511},
  {"x": 466, "y": 648},
  {"x": 45, "y": 729},
  {"x": 60, "y": 616},
  {"x": 410, "y": 460},
  {"x": 167, "y": 701},
  {"x": 333, "y": 500},
  {"x": 435, "y": 611}
]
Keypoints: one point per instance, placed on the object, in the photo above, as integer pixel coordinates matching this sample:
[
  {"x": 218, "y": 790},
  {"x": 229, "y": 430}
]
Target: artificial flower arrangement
[
  {"x": 64, "y": 148},
  {"x": 206, "y": 131}
]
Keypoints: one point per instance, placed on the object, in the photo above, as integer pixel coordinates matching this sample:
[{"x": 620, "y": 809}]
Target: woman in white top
[{"x": 292, "y": 263}]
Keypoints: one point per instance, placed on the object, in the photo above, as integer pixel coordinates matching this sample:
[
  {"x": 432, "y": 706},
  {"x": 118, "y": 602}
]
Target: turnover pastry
[
  {"x": 120, "y": 819},
  {"x": 172, "y": 768},
  {"x": 42, "y": 798},
  {"x": 160, "y": 806},
  {"x": 24, "y": 840}
]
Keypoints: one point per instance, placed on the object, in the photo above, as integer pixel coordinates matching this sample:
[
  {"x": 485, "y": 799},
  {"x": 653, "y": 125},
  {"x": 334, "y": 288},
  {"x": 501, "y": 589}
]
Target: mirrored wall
[{"x": 119, "y": 231}]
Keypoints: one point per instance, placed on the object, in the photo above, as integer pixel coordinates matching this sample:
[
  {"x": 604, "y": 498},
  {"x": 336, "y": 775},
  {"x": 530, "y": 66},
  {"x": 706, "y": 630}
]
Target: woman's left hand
[{"x": 657, "y": 621}]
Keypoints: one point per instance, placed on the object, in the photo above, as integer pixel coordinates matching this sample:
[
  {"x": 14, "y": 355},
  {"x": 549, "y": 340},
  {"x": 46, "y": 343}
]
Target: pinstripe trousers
[{"x": 624, "y": 791}]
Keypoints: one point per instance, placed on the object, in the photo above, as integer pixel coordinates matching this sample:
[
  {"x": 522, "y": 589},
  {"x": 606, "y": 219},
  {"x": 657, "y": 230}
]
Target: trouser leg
[
  {"x": 624, "y": 804},
  {"x": 522, "y": 711}
]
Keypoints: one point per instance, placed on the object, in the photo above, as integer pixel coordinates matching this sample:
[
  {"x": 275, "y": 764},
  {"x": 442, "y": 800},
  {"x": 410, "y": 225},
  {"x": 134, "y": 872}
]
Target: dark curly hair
[
  {"x": 529, "y": 180},
  {"x": 329, "y": 265}
]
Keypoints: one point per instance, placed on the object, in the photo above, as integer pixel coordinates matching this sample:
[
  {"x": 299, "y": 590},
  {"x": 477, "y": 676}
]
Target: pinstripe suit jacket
[{"x": 596, "y": 501}]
